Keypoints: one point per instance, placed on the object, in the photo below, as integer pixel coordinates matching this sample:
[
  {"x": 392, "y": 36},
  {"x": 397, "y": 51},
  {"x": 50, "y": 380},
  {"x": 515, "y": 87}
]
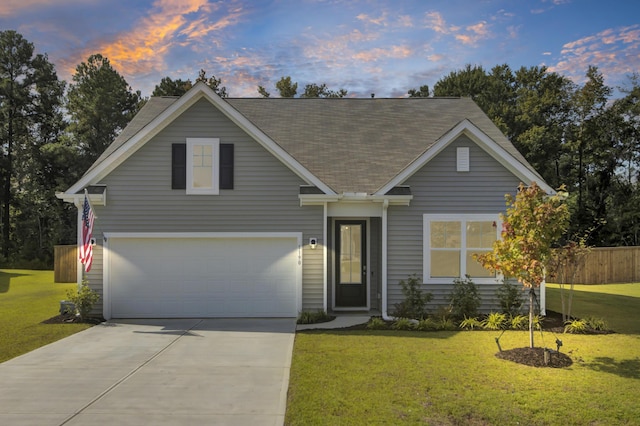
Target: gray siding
[
  {"x": 439, "y": 188},
  {"x": 264, "y": 199}
]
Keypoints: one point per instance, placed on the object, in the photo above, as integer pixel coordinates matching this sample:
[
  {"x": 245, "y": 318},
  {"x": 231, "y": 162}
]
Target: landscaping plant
[
  {"x": 510, "y": 298},
  {"x": 83, "y": 298},
  {"x": 415, "y": 301},
  {"x": 464, "y": 298},
  {"x": 533, "y": 223}
]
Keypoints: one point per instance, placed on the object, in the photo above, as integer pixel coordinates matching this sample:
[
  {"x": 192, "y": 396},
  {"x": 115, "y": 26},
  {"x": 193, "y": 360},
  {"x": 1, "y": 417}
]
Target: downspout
[
  {"x": 385, "y": 317},
  {"x": 325, "y": 278}
]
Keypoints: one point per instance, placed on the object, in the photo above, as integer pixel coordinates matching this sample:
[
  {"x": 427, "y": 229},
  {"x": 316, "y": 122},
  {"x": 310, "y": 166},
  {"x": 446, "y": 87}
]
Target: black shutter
[
  {"x": 179, "y": 166},
  {"x": 226, "y": 166}
]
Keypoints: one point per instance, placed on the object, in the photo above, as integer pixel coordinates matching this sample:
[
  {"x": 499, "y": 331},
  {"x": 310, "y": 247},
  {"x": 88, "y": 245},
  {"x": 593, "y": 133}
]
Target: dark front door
[{"x": 351, "y": 264}]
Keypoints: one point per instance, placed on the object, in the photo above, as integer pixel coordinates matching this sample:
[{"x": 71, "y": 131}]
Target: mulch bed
[
  {"x": 534, "y": 357},
  {"x": 71, "y": 318}
]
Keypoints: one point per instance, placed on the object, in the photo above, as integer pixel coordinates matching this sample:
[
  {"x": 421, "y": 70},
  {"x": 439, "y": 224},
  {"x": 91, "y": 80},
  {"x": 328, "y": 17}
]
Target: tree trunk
[{"x": 531, "y": 301}]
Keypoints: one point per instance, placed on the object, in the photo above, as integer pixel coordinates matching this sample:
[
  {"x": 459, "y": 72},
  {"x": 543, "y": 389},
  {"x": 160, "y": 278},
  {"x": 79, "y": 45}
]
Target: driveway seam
[{"x": 135, "y": 370}]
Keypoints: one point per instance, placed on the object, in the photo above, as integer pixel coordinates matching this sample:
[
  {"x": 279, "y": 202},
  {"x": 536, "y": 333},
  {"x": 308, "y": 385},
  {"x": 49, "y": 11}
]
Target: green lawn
[
  {"x": 26, "y": 299},
  {"x": 453, "y": 378}
]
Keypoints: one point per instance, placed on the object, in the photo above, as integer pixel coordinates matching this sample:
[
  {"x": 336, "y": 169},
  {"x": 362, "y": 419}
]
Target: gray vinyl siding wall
[
  {"x": 439, "y": 188},
  {"x": 264, "y": 198}
]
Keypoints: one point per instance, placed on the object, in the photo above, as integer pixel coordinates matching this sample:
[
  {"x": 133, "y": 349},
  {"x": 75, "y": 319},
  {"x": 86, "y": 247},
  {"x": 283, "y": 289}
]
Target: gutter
[{"x": 385, "y": 316}]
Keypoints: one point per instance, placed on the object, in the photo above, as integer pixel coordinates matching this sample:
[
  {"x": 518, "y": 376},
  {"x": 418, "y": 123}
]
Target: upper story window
[
  {"x": 450, "y": 241},
  {"x": 203, "y": 166}
]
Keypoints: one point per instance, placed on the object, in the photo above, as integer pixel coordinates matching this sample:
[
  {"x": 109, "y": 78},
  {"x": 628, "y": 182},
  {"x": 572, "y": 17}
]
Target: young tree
[
  {"x": 564, "y": 265},
  {"x": 534, "y": 221}
]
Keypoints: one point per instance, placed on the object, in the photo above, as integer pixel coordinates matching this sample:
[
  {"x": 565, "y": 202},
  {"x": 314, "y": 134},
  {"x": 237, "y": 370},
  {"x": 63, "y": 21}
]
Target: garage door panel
[{"x": 203, "y": 277}]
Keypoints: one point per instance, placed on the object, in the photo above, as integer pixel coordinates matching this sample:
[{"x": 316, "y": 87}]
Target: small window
[
  {"x": 203, "y": 166},
  {"x": 450, "y": 241}
]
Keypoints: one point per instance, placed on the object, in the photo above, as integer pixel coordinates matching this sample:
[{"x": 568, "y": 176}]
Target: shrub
[
  {"x": 415, "y": 300},
  {"x": 470, "y": 323},
  {"x": 495, "y": 321},
  {"x": 598, "y": 324},
  {"x": 308, "y": 317},
  {"x": 447, "y": 324},
  {"x": 376, "y": 323},
  {"x": 510, "y": 298},
  {"x": 83, "y": 298},
  {"x": 402, "y": 324},
  {"x": 427, "y": 324},
  {"x": 464, "y": 298},
  {"x": 575, "y": 326},
  {"x": 519, "y": 322}
]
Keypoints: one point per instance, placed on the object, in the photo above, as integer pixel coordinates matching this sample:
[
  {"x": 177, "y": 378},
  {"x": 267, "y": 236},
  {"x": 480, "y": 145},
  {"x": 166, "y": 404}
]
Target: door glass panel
[{"x": 350, "y": 254}]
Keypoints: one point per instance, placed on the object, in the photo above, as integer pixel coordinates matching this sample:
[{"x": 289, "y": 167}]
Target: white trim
[
  {"x": 385, "y": 215},
  {"x": 426, "y": 246},
  {"x": 106, "y": 302},
  {"x": 319, "y": 199},
  {"x": 467, "y": 128},
  {"x": 199, "y": 91},
  {"x": 214, "y": 143}
]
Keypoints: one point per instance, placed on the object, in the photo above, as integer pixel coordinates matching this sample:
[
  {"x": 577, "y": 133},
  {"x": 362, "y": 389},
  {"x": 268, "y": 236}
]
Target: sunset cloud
[{"x": 616, "y": 51}]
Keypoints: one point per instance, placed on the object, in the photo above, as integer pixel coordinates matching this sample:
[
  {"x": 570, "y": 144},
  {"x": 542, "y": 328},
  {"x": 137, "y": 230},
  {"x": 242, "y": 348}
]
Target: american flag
[{"x": 86, "y": 250}]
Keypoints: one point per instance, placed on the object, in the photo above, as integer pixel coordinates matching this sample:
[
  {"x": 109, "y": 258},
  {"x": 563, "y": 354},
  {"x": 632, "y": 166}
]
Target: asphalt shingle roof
[{"x": 352, "y": 145}]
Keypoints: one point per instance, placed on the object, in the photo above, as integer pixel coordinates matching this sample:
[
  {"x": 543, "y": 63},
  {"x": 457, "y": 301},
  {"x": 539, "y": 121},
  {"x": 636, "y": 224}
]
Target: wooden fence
[
  {"x": 609, "y": 265},
  {"x": 65, "y": 264}
]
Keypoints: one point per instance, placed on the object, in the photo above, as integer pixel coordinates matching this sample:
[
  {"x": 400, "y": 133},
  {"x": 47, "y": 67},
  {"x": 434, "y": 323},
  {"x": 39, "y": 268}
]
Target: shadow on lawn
[
  {"x": 629, "y": 368},
  {"x": 5, "y": 280}
]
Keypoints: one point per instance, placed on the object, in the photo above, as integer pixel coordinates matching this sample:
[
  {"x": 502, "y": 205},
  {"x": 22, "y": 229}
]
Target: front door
[{"x": 351, "y": 264}]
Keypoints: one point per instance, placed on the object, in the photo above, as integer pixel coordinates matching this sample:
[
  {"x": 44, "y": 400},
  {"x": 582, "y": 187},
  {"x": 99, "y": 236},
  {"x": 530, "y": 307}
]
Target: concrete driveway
[{"x": 155, "y": 372}]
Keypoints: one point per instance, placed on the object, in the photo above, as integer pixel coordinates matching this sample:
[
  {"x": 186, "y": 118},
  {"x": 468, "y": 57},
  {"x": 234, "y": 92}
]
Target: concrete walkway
[
  {"x": 154, "y": 372},
  {"x": 341, "y": 321}
]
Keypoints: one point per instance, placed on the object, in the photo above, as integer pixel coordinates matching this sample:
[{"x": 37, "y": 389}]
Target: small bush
[
  {"x": 470, "y": 323},
  {"x": 495, "y": 321},
  {"x": 597, "y": 324},
  {"x": 519, "y": 322},
  {"x": 427, "y": 324},
  {"x": 403, "y": 324},
  {"x": 464, "y": 298},
  {"x": 308, "y": 317},
  {"x": 377, "y": 323},
  {"x": 575, "y": 326},
  {"x": 447, "y": 324},
  {"x": 415, "y": 300},
  {"x": 510, "y": 298},
  {"x": 83, "y": 298}
]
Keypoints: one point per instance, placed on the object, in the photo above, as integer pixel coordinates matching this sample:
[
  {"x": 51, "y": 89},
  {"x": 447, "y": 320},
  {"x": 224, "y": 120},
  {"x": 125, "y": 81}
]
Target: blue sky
[{"x": 381, "y": 47}]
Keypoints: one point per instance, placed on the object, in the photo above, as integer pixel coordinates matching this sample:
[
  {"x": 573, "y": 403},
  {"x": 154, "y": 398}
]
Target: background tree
[
  {"x": 169, "y": 87},
  {"x": 263, "y": 92},
  {"x": 533, "y": 223},
  {"x": 314, "y": 90},
  {"x": 30, "y": 100},
  {"x": 422, "y": 92},
  {"x": 286, "y": 88},
  {"x": 100, "y": 104}
]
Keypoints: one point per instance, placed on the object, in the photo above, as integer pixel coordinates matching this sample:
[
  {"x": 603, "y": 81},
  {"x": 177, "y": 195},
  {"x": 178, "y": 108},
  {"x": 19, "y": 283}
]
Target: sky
[{"x": 363, "y": 46}]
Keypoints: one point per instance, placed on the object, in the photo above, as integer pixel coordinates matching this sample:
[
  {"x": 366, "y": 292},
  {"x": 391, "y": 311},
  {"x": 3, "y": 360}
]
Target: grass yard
[
  {"x": 26, "y": 299},
  {"x": 453, "y": 378}
]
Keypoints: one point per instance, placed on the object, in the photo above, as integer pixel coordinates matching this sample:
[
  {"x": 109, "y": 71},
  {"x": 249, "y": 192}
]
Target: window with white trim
[
  {"x": 203, "y": 173},
  {"x": 450, "y": 241}
]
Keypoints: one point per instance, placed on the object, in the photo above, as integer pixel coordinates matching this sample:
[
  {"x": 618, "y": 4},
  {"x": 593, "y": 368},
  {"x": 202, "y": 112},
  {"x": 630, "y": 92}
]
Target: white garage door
[{"x": 202, "y": 277}]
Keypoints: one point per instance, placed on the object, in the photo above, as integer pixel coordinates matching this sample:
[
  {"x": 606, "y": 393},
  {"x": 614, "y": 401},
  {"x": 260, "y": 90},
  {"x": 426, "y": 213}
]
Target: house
[{"x": 211, "y": 207}]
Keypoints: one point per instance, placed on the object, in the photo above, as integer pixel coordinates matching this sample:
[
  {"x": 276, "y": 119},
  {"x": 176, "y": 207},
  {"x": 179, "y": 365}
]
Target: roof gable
[{"x": 144, "y": 128}]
